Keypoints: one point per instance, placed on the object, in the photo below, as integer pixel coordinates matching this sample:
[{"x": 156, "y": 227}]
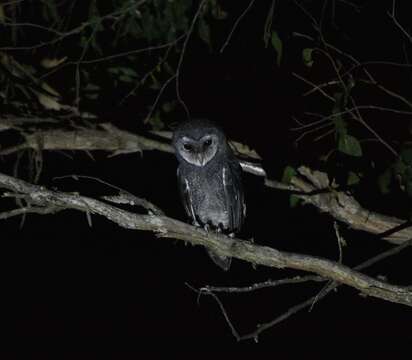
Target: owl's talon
[{"x": 219, "y": 229}]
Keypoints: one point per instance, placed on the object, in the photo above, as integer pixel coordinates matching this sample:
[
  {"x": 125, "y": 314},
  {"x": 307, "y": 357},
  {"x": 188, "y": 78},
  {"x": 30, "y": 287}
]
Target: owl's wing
[
  {"x": 185, "y": 190},
  {"x": 235, "y": 202}
]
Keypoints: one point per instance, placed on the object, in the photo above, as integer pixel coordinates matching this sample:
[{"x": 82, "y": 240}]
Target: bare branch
[
  {"x": 263, "y": 285},
  {"x": 166, "y": 227},
  {"x": 107, "y": 137},
  {"x": 222, "y": 308},
  {"x": 124, "y": 197},
  {"x": 397, "y": 23},
  {"x": 315, "y": 87},
  {"x": 29, "y": 210},
  {"x": 293, "y": 310},
  {"x": 338, "y": 204},
  {"x": 345, "y": 208}
]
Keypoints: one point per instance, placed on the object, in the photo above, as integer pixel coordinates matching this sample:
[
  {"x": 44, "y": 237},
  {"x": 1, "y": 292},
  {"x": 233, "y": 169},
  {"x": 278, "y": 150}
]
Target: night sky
[{"x": 65, "y": 280}]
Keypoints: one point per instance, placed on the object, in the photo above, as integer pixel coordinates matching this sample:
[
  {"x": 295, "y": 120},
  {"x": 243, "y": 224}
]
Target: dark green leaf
[
  {"x": 384, "y": 181},
  {"x": 92, "y": 96},
  {"x": 353, "y": 179},
  {"x": 204, "y": 31},
  {"x": 349, "y": 145},
  {"x": 406, "y": 156},
  {"x": 294, "y": 200},
  {"x": 125, "y": 78},
  {"x": 288, "y": 173},
  {"x": 307, "y": 57},
  {"x": 278, "y": 46},
  {"x": 217, "y": 11},
  {"x": 399, "y": 168},
  {"x": 91, "y": 87}
]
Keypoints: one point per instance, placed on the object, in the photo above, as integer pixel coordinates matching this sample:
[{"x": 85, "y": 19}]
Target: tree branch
[
  {"x": 312, "y": 186},
  {"x": 345, "y": 208},
  {"x": 213, "y": 290},
  {"x": 166, "y": 227}
]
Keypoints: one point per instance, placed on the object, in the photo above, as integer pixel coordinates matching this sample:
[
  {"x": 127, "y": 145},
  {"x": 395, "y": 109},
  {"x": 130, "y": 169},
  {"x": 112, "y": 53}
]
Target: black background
[{"x": 62, "y": 279}]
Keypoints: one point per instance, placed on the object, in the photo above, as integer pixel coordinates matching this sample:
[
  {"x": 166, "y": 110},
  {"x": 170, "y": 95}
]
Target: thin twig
[
  {"x": 180, "y": 62},
  {"x": 263, "y": 285},
  {"x": 124, "y": 196},
  {"x": 314, "y": 87},
  {"x": 309, "y": 303},
  {"x": 239, "y": 19}
]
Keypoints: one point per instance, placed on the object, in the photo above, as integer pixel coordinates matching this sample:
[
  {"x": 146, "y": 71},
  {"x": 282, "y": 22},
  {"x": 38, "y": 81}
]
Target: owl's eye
[
  {"x": 188, "y": 147},
  {"x": 207, "y": 143}
]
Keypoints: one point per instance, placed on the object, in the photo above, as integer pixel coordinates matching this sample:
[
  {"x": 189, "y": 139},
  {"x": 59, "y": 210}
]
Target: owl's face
[
  {"x": 198, "y": 151},
  {"x": 197, "y": 142}
]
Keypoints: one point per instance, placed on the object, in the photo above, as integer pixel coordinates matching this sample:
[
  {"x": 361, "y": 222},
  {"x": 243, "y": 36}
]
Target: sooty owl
[{"x": 209, "y": 178}]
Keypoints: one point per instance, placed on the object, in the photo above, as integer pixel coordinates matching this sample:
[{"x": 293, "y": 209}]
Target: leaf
[
  {"x": 125, "y": 78},
  {"x": 353, "y": 179},
  {"x": 399, "y": 168},
  {"x": 349, "y": 145},
  {"x": 406, "y": 156},
  {"x": 48, "y": 102},
  {"x": 307, "y": 57},
  {"x": 288, "y": 173},
  {"x": 122, "y": 70},
  {"x": 91, "y": 87},
  {"x": 168, "y": 106},
  {"x": 2, "y": 14},
  {"x": 384, "y": 181},
  {"x": 278, "y": 46},
  {"x": 156, "y": 122},
  {"x": 409, "y": 188},
  {"x": 49, "y": 63},
  {"x": 217, "y": 11},
  {"x": 129, "y": 71},
  {"x": 294, "y": 200},
  {"x": 50, "y": 12},
  {"x": 49, "y": 89},
  {"x": 204, "y": 31},
  {"x": 92, "y": 96}
]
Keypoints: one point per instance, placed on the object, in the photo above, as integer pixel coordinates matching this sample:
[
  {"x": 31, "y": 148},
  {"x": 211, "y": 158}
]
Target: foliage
[
  {"x": 128, "y": 45},
  {"x": 356, "y": 116},
  {"x": 72, "y": 56}
]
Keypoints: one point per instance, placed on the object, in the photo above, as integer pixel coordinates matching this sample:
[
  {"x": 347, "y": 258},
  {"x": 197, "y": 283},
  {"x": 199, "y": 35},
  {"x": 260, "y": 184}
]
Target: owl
[{"x": 209, "y": 179}]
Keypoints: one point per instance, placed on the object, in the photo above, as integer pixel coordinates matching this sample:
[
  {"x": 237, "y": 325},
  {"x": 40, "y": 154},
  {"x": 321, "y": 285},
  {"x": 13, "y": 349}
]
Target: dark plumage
[{"x": 209, "y": 178}]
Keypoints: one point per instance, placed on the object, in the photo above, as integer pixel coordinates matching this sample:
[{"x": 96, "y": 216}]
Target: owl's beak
[{"x": 201, "y": 159}]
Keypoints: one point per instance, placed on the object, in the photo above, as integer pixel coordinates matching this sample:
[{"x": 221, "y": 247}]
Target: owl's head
[{"x": 198, "y": 141}]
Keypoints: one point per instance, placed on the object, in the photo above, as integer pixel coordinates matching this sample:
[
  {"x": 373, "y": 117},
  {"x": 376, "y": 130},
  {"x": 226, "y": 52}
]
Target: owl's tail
[{"x": 220, "y": 260}]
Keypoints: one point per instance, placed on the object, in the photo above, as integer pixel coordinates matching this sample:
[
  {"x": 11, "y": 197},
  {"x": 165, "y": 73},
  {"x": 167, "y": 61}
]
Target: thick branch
[
  {"x": 166, "y": 227},
  {"x": 337, "y": 203},
  {"x": 107, "y": 138},
  {"x": 345, "y": 208}
]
